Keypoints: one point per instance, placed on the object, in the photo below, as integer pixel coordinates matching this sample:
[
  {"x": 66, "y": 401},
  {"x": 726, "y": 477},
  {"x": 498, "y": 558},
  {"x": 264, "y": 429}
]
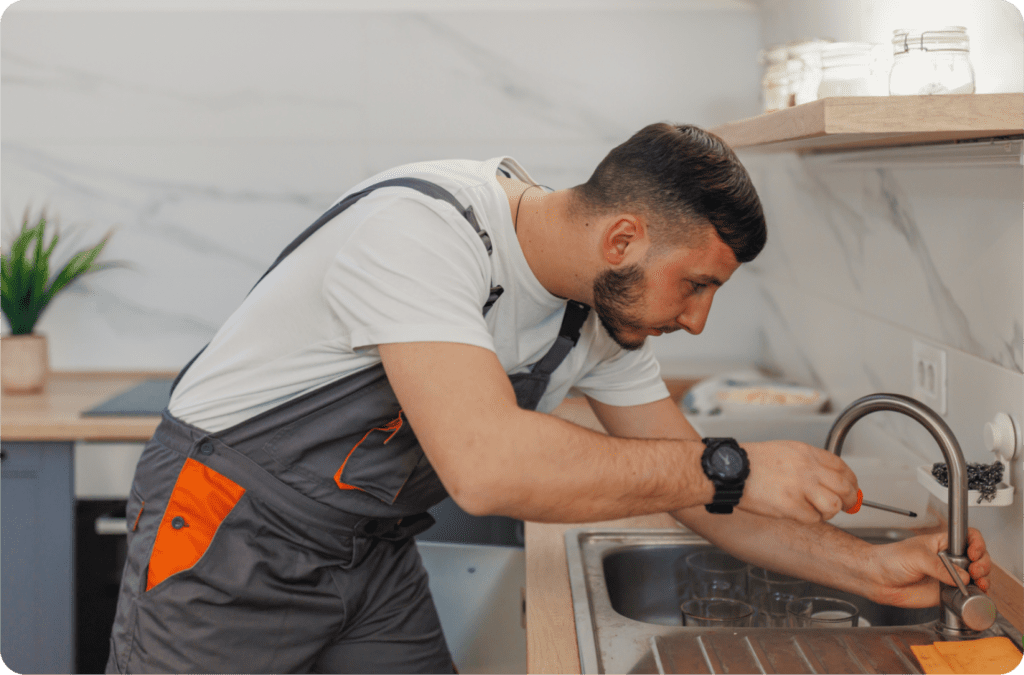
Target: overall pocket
[
  {"x": 381, "y": 461},
  {"x": 342, "y": 441},
  {"x": 200, "y": 501}
]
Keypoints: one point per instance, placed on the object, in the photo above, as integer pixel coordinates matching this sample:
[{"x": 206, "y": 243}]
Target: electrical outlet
[{"x": 928, "y": 376}]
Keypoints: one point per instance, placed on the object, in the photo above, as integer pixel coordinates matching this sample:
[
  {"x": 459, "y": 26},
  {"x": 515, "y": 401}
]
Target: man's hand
[
  {"x": 908, "y": 572},
  {"x": 787, "y": 479},
  {"x": 794, "y": 480}
]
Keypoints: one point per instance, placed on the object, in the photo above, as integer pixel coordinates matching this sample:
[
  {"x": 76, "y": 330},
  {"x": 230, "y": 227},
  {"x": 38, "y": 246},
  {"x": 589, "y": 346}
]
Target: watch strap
[{"x": 727, "y": 495}]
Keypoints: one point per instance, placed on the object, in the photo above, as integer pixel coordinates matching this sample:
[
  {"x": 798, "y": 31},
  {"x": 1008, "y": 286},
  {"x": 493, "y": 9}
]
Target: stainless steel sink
[{"x": 628, "y": 618}]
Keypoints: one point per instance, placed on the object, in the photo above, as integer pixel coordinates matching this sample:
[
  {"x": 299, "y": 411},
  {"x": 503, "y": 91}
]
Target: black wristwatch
[{"x": 726, "y": 464}]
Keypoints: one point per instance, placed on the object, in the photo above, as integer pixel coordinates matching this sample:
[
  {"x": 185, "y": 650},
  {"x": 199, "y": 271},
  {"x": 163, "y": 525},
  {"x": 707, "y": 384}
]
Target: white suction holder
[{"x": 1000, "y": 437}]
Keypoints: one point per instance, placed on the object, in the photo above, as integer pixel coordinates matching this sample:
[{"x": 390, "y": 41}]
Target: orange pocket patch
[{"x": 201, "y": 499}]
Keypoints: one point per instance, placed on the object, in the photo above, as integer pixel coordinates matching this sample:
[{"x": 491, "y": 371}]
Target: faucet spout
[
  {"x": 942, "y": 434},
  {"x": 953, "y": 619}
]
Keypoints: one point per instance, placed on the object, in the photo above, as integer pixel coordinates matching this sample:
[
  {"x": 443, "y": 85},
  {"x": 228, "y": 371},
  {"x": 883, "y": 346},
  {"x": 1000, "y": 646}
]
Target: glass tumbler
[
  {"x": 819, "y": 612},
  {"x": 716, "y": 574},
  {"x": 716, "y": 613},
  {"x": 770, "y": 592}
]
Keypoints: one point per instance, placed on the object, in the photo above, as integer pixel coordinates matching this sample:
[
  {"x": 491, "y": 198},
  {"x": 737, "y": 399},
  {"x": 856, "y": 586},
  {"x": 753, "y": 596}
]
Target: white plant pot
[{"x": 24, "y": 363}]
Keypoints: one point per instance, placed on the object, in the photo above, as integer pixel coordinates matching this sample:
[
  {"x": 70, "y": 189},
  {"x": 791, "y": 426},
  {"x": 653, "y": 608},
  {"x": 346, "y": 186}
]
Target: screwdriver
[{"x": 875, "y": 505}]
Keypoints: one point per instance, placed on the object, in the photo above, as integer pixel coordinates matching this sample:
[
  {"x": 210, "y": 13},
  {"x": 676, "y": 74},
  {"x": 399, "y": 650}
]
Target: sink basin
[
  {"x": 628, "y": 618},
  {"x": 641, "y": 586}
]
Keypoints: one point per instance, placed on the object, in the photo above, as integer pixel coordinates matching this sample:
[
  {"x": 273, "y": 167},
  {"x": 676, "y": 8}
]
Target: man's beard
[{"x": 616, "y": 293}]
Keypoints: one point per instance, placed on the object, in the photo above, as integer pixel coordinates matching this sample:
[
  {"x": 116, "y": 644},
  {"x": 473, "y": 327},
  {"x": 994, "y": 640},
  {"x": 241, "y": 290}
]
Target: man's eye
[{"x": 697, "y": 288}]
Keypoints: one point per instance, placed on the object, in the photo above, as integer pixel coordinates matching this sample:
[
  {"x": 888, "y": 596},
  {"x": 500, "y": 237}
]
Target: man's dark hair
[{"x": 678, "y": 178}]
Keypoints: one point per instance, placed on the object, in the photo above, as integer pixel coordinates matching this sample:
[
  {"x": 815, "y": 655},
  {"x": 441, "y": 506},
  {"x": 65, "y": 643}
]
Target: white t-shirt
[{"x": 399, "y": 266}]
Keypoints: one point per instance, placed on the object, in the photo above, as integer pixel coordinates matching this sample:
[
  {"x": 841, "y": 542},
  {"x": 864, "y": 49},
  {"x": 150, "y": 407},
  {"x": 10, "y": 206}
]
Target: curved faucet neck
[{"x": 942, "y": 434}]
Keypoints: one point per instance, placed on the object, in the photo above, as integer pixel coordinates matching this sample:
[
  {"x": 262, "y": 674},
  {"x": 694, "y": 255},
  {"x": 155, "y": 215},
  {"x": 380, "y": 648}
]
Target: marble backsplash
[
  {"x": 207, "y": 139},
  {"x": 869, "y": 253},
  {"x": 934, "y": 249}
]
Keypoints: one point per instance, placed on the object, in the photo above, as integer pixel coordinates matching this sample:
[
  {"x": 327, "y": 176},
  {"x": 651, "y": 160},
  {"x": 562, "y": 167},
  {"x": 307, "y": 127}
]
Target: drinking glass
[
  {"x": 716, "y": 574},
  {"x": 770, "y": 592},
  {"x": 716, "y": 612},
  {"x": 820, "y": 612}
]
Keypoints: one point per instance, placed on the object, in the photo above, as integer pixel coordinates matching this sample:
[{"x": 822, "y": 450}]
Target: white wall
[{"x": 209, "y": 133}]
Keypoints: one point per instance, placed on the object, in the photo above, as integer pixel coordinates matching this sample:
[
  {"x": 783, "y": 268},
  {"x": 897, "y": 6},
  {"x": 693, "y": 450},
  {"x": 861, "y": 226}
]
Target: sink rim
[{"x": 590, "y": 597}]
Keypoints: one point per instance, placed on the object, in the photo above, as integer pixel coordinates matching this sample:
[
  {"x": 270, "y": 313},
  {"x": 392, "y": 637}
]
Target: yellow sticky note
[
  {"x": 931, "y": 660},
  {"x": 987, "y": 655}
]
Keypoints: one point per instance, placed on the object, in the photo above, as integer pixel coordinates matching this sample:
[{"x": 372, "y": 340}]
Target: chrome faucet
[{"x": 963, "y": 611}]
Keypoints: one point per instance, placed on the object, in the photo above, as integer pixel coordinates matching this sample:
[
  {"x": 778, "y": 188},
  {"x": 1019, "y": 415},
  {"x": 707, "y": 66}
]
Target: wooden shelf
[{"x": 847, "y": 123}]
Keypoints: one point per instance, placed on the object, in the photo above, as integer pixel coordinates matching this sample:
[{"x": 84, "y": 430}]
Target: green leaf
[
  {"x": 26, "y": 288},
  {"x": 53, "y": 245},
  {"x": 79, "y": 264},
  {"x": 19, "y": 277},
  {"x": 6, "y": 301},
  {"x": 40, "y": 274}
]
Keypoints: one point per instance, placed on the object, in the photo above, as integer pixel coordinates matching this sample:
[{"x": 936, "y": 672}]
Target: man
[{"x": 273, "y": 511}]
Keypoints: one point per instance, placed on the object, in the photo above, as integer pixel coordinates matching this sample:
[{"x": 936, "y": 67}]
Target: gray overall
[{"x": 284, "y": 544}]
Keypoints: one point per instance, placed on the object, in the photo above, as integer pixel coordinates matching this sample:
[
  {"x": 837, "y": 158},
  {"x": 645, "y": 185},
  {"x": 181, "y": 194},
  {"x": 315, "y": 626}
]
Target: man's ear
[{"x": 625, "y": 240}]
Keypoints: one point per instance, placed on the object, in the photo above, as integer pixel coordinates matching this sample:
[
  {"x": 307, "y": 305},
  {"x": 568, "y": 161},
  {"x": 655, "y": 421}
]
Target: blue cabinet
[{"x": 37, "y": 557}]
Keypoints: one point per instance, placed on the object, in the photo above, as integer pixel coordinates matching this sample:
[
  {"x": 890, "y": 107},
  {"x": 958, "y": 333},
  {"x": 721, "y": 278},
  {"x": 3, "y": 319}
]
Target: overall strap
[
  {"x": 424, "y": 186},
  {"x": 531, "y": 385},
  {"x": 568, "y": 335}
]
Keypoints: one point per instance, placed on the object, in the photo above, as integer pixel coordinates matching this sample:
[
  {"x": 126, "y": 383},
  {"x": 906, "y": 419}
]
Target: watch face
[{"x": 726, "y": 461}]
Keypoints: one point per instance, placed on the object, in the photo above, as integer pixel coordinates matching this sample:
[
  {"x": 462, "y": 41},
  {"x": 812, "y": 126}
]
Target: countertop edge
[{"x": 55, "y": 413}]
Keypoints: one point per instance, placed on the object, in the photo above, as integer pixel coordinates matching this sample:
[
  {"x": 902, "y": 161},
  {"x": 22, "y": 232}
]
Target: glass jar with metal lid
[
  {"x": 853, "y": 69},
  {"x": 931, "y": 61},
  {"x": 792, "y": 72}
]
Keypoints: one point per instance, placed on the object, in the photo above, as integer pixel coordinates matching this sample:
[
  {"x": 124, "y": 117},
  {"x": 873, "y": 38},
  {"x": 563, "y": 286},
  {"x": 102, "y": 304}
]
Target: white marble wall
[{"x": 209, "y": 133}]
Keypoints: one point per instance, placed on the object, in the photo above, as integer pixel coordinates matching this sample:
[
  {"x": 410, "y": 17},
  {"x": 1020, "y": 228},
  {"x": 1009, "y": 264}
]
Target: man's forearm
[
  {"x": 820, "y": 553},
  {"x": 554, "y": 471}
]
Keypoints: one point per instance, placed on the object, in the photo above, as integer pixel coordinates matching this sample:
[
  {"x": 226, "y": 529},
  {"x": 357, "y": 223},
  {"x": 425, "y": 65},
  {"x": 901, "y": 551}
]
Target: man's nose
[{"x": 695, "y": 316}]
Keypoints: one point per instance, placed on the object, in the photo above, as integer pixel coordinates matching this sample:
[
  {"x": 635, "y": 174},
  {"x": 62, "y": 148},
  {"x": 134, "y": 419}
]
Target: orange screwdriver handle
[{"x": 856, "y": 507}]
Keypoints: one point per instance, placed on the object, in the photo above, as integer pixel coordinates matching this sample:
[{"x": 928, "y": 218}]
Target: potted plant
[{"x": 26, "y": 289}]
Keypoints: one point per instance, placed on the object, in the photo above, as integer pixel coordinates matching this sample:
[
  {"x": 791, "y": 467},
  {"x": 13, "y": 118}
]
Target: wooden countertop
[{"x": 55, "y": 414}]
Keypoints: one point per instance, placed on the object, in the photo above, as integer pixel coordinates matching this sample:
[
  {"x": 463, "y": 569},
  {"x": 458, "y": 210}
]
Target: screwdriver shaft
[{"x": 890, "y": 509}]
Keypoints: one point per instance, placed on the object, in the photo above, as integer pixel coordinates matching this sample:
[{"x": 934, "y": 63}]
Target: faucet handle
[
  {"x": 977, "y": 611},
  {"x": 952, "y": 569}
]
